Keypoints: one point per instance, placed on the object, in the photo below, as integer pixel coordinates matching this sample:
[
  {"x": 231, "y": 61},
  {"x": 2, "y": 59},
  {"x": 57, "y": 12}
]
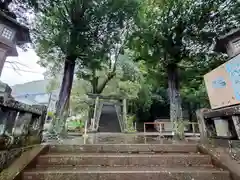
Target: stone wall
[{"x": 21, "y": 126}]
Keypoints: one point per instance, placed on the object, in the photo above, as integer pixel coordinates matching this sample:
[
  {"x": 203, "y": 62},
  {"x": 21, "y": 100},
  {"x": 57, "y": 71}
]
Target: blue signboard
[{"x": 233, "y": 70}]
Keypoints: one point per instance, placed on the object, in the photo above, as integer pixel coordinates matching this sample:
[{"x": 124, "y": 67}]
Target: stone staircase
[
  {"x": 124, "y": 162},
  {"x": 109, "y": 120}
]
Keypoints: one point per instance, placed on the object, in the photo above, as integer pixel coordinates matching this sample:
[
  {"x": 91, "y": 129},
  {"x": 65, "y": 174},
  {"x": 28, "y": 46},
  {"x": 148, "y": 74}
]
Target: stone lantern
[
  {"x": 12, "y": 34},
  {"x": 225, "y": 79},
  {"x": 229, "y": 43}
]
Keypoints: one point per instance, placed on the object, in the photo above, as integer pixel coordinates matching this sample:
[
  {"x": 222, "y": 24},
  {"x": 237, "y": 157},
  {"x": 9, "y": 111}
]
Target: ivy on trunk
[
  {"x": 62, "y": 105},
  {"x": 170, "y": 32},
  {"x": 176, "y": 115}
]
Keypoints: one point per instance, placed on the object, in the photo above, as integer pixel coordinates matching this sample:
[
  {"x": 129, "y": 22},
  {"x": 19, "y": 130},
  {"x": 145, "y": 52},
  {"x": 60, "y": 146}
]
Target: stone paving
[{"x": 120, "y": 138}]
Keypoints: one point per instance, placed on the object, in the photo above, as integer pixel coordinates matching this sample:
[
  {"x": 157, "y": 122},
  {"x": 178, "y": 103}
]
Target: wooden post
[
  {"x": 125, "y": 113},
  {"x": 145, "y": 138},
  {"x": 144, "y": 128},
  {"x": 161, "y": 129}
]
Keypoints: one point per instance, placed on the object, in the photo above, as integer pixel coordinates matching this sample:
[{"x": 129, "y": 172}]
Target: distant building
[{"x": 35, "y": 93}]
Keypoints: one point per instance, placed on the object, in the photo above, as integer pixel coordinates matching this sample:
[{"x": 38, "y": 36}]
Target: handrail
[
  {"x": 98, "y": 117},
  {"x": 124, "y": 116},
  {"x": 119, "y": 119}
]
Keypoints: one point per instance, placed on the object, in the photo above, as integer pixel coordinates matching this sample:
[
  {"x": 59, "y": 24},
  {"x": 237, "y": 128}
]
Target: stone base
[
  {"x": 124, "y": 148},
  {"x": 127, "y": 173},
  {"x": 100, "y": 159}
]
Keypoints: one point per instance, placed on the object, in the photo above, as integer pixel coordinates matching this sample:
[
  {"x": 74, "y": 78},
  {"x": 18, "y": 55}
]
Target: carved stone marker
[
  {"x": 223, "y": 83},
  {"x": 223, "y": 88}
]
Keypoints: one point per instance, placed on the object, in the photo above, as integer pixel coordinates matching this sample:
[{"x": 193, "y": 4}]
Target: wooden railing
[
  {"x": 20, "y": 125},
  {"x": 163, "y": 131}
]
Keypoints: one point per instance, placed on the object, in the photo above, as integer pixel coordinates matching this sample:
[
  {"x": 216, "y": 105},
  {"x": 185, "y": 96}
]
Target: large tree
[
  {"x": 60, "y": 29},
  {"x": 169, "y": 32},
  {"x": 83, "y": 34}
]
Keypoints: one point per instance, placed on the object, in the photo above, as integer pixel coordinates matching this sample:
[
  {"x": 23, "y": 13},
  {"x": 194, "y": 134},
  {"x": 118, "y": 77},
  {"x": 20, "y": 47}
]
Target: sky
[{"x": 25, "y": 68}]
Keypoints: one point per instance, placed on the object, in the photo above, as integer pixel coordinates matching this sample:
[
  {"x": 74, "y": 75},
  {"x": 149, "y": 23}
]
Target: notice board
[{"x": 223, "y": 84}]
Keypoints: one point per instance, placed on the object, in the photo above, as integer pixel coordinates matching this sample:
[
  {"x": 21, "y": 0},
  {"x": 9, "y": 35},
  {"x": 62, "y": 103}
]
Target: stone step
[
  {"x": 126, "y": 173},
  {"x": 163, "y": 160},
  {"x": 130, "y": 148}
]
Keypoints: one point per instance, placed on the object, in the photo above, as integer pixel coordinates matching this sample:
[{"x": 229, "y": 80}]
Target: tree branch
[{"x": 104, "y": 83}]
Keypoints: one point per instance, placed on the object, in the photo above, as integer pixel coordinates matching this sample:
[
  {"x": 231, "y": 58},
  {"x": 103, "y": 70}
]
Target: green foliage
[
  {"x": 82, "y": 35},
  {"x": 179, "y": 127},
  {"x": 131, "y": 119},
  {"x": 79, "y": 102},
  {"x": 193, "y": 89},
  {"x": 105, "y": 36},
  {"x": 50, "y": 114},
  {"x": 96, "y": 39},
  {"x": 129, "y": 89},
  {"x": 53, "y": 84},
  {"x": 124, "y": 88},
  {"x": 119, "y": 86},
  {"x": 75, "y": 124},
  {"x": 172, "y": 34},
  {"x": 145, "y": 98}
]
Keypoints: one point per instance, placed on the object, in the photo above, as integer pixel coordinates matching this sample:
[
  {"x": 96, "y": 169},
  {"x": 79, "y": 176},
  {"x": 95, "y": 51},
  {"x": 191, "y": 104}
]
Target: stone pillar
[
  {"x": 236, "y": 122},
  {"x": 3, "y": 56},
  {"x": 222, "y": 127},
  {"x": 5, "y": 91},
  {"x": 202, "y": 124}
]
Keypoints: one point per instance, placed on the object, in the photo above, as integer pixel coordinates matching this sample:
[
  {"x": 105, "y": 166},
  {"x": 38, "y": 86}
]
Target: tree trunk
[
  {"x": 65, "y": 92},
  {"x": 175, "y": 101}
]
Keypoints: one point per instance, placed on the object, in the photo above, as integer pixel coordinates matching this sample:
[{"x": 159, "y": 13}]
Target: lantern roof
[
  {"x": 222, "y": 41},
  {"x": 22, "y": 32}
]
